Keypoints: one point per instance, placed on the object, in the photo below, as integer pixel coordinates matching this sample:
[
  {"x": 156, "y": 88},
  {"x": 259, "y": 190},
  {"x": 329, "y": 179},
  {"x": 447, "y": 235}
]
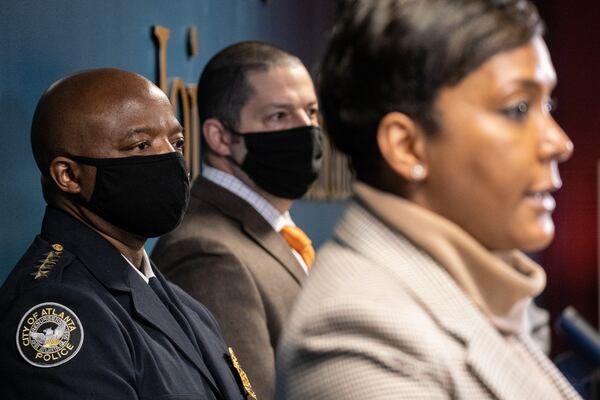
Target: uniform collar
[
  {"x": 113, "y": 271},
  {"x": 146, "y": 272},
  {"x": 101, "y": 258}
]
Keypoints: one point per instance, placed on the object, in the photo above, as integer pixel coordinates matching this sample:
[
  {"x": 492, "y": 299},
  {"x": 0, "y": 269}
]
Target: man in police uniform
[{"x": 84, "y": 314}]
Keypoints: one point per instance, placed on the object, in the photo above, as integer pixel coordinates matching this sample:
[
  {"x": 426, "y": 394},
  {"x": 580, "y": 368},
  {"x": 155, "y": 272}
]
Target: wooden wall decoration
[
  {"x": 192, "y": 41},
  {"x": 335, "y": 179},
  {"x": 182, "y": 96},
  {"x": 161, "y": 34}
]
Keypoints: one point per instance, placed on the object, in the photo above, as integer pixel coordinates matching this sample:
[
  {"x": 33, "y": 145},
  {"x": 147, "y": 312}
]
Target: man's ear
[
  {"x": 217, "y": 137},
  {"x": 66, "y": 174},
  {"x": 402, "y": 145}
]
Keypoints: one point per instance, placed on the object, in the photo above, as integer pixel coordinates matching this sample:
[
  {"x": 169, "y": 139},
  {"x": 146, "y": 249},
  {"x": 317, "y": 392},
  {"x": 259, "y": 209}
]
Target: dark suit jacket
[
  {"x": 227, "y": 256},
  {"x": 125, "y": 342}
]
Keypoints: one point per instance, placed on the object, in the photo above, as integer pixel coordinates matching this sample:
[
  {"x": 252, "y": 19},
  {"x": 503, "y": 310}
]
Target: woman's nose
[{"x": 556, "y": 144}]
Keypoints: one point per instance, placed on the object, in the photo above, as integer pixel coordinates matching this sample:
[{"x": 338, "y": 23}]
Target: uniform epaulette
[{"x": 48, "y": 262}]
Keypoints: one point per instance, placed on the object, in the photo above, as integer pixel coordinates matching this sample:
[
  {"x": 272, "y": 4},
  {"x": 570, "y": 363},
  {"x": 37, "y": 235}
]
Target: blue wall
[{"x": 41, "y": 41}]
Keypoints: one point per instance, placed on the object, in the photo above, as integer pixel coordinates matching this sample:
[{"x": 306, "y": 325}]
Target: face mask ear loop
[
  {"x": 234, "y": 162},
  {"x": 89, "y": 161},
  {"x": 82, "y": 160},
  {"x": 239, "y": 136},
  {"x": 233, "y": 132}
]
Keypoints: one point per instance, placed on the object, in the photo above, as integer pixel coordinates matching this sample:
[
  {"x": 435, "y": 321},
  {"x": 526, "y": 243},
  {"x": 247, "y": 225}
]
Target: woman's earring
[{"x": 417, "y": 172}]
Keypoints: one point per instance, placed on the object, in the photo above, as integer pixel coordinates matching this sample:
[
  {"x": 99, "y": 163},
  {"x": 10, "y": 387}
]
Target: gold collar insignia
[{"x": 45, "y": 265}]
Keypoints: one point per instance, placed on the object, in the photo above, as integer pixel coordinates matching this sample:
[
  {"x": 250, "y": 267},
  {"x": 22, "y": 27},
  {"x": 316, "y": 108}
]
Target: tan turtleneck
[{"x": 501, "y": 285}]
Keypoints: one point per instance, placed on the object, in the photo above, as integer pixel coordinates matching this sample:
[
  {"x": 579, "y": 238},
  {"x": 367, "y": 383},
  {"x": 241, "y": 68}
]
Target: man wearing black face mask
[
  {"x": 237, "y": 249},
  {"x": 84, "y": 313}
]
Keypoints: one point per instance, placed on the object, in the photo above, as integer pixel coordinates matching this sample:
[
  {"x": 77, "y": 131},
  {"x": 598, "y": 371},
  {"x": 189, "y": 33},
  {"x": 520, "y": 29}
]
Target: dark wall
[
  {"x": 41, "y": 41},
  {"x": 572, "y": 260}
]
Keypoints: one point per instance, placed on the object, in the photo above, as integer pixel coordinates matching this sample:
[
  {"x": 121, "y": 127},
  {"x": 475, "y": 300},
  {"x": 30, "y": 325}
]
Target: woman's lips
[{"x": 542, "y": 200}]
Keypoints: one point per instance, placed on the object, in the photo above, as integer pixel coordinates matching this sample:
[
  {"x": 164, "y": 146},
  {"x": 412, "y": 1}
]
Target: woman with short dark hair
[{"x": 444, "y": 110}]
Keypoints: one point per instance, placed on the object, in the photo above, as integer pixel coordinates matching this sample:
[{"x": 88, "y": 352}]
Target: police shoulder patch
[{"x": 49, "y": 334}]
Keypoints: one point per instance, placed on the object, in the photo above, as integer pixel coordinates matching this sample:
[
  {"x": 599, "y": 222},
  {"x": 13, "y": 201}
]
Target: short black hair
[
  {"x": 223, "y": 87},
  {"x": 395, "y": 55}
]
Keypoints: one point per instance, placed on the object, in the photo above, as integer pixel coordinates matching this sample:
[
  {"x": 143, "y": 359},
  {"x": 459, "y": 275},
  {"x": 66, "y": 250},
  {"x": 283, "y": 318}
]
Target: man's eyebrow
[
  {"x": 279, "y": 105},
  {"x": 177, "y": 129},
  {"x": 289, "y": 104},
  {"x": 148, "y": 129},
  {"x": 137, "y": 130}
]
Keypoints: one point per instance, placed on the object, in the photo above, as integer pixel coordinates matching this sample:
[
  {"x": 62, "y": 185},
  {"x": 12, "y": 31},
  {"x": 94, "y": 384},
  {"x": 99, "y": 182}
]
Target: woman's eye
[
  {"x": 550, "y": 105},
  {"x": 142, "y": 146},
  {"x": 518, "y": 112}
]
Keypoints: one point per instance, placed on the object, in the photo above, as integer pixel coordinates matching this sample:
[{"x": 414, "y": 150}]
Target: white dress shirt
[
  {"x": 272, "y": 215},
  {"x": 146, "y": 272}
]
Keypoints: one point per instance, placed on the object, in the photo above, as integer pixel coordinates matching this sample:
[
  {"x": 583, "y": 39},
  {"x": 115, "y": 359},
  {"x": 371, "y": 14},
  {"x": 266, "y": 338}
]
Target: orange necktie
[{"x": 299, "y": 242}]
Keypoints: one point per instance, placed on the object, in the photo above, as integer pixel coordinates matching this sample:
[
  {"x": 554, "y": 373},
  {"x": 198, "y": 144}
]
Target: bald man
[{"x": 84, "y": 314}]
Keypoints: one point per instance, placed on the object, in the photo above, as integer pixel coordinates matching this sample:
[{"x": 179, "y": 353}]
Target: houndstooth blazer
[{"x": 380, "y": 319}]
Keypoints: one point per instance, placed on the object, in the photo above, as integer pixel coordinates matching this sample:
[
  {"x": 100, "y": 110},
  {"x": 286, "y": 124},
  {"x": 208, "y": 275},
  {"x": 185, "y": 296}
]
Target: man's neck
[
  {"x": 281, "y": 204},
  {"x": 222, "y": 164},
  {"x": 128, "y": 244}
]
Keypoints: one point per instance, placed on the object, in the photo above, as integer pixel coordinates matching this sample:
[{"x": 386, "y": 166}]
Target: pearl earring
[{"x": 417, "y": 172}]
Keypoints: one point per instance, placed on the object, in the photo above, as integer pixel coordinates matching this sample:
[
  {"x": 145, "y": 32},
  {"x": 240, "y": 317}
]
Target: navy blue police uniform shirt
[{"x": 77, "y": 322}]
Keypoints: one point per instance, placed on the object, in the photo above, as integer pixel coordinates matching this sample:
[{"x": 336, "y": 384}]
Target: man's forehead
[
  {"x": 131, "y": 112},
  {"x": 80, "y": 112},
  {"x": 125, "y": 119},
  {"x": 280, "y": 81},
  {"x": 276, "y": 69}
]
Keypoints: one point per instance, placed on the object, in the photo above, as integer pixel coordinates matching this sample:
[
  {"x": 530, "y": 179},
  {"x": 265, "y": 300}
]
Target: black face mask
[
  {"x": 284, "y": 163},
  {"x": 144, "y": 195}
]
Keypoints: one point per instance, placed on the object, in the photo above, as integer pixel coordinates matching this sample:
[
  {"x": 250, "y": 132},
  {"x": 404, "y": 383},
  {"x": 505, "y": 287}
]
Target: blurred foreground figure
[
  {"x": 84, "y": 314},
  {"x": 444, "y": 109}
]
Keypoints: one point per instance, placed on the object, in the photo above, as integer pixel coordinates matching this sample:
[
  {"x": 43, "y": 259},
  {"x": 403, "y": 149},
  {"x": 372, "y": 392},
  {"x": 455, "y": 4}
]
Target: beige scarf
[{"x": 500, "y": 284}]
